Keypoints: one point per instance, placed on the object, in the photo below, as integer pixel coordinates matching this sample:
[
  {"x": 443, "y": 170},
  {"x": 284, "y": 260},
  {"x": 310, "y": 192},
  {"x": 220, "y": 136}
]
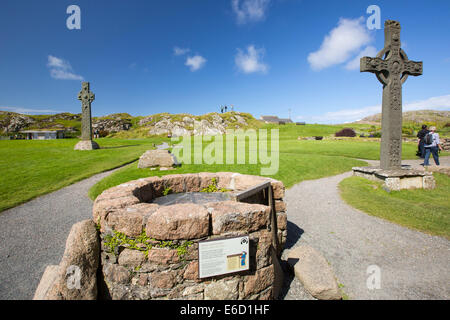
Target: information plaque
[{"x": 222, "y": 256}]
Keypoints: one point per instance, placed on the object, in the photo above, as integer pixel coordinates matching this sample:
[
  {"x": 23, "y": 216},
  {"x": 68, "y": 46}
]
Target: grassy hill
[
  {"x": 413, "y": 121},
  {"x": 123, "y": 125}
]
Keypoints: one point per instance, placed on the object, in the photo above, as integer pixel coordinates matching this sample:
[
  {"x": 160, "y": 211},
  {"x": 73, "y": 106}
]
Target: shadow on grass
[{"x": 117, "y": 147}]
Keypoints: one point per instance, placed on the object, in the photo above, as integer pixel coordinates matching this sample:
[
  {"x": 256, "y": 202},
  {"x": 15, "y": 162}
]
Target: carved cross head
[
  {"x": 391, "y": 63},
  {"x": 85, "y": 95}
]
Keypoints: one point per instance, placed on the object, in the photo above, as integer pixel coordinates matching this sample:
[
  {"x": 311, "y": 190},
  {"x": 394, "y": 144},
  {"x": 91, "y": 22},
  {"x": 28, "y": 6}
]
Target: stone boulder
[
  {"x": 76, "y": 276},
  {"x": 155, "y": 158},
  {"x": 313, "y": 270}
]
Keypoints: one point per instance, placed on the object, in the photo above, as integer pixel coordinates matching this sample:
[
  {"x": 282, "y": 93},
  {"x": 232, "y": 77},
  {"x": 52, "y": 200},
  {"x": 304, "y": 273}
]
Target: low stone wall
[{"x": 148, "y": 251}]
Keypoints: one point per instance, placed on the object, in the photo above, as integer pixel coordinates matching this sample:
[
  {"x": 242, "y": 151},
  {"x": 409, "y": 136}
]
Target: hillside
[
  {"x": 123, "y": 125},
  {"x": 419, "y": 117}
]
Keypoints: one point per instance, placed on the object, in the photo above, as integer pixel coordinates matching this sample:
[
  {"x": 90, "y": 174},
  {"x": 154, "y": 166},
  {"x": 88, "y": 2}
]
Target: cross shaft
[
  {"x": 392, "y": 68},
  {"x": 86, "y": 97}
]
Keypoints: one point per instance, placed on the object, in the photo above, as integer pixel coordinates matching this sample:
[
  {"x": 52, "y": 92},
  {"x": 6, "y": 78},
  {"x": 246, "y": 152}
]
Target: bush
[
  {"x": 103, "y": 133},
  {"x": 408, "y": 131},
  {"x": 447, "y": 125},
  {"x": 376, "y": 134},
  {"x": 346, "y": 132}
]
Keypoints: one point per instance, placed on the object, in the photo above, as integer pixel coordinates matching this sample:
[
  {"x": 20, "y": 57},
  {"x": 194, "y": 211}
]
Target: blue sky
[{"x": 262, "y": 56}]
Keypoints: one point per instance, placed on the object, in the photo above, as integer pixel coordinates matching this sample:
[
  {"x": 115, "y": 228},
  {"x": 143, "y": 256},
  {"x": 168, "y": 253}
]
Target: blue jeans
[{"x": 434, "y": 151}]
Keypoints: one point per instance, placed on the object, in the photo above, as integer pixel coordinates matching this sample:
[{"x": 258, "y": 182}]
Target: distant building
[
  {"x": 43, "y": 134},
  {"x": 275, "y": 119}
]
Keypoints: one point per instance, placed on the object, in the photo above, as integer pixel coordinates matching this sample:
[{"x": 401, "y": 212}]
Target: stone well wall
[{"x": 149, "y": 251}]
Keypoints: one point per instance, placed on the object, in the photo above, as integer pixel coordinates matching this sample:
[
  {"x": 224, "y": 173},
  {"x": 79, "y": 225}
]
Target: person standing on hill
[
  {"x": 421, "y": 145},
  {"x": 432, "y": 146}
]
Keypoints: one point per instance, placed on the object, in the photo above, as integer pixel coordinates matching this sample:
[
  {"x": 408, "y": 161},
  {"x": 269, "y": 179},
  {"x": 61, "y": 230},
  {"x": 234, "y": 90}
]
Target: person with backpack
[
  {"x": 421, "y": 143},
  {"x": 432, "y": 146}
]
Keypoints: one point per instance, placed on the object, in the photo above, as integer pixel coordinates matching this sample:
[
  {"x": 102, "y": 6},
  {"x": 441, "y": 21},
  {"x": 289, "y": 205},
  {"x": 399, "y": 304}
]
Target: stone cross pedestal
[
  {"x": 86, "y": 97},
  {"x": 392, "y": 67}
]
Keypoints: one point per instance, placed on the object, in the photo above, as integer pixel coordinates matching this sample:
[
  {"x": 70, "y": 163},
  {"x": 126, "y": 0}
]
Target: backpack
[{"x": 428, "y": 138}]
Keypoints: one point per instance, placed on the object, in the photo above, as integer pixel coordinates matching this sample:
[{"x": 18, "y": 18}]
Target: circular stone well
[{"x": 149, "y": 240}]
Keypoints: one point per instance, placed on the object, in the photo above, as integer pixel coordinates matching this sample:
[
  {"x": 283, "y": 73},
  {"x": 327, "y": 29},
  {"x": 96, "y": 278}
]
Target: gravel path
[
  {"x": 33, "y": 235},
  {"x": 413, "y": 265}
]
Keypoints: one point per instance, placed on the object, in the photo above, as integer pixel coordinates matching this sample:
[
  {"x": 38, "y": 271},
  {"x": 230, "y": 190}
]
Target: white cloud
[
  {"x": 29, "y": 111},
  {"x": 249, "y": 10},
  {"x": 61, "y": 69},
  {"x": 251, "y": 61},
  {"x": 354, "y": 64},
  {"x": 350, "y": 115},
  {"x": 180, "y": 51},
  {"x": 434, "y": 103},
  {"x": 341, "y": 43},
  {"x": 195, "y": 63}
]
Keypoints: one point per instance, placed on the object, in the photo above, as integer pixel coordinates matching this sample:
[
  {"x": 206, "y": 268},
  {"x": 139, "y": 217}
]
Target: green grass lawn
[
  {"x": 30, "y": 168},
  {"x": 424, "y": 210},
  {"x": 293, "y": 169},
  {"x": 33, "y": 168}
]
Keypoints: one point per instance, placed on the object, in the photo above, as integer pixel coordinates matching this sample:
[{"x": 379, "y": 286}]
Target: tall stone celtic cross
[
  {"x": 392, "y": 68},
  {"x": 86, "y": 97}
]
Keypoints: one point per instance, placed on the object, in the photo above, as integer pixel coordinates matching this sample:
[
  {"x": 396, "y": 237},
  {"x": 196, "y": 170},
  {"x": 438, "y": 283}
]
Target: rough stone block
[
  {"x": 179, "y": 221},
  {"x": 278, "y": 189},
  {"x": 222, "y": 290},
  {"x": 155, "y": 158},
  {"x": 280, "y": 206},
  {"x": 244, "y": 181},
  {"x": 429, "y": 182},
  {"x": 114, "y": 273},
  {"x": 175, "y": 182},
  {"x": 191, "y": 271},
  {"x": 130, "y": 221},
  {"x": 230, "y": 216},
  {"x": 131, "y": 258},
  {"x": 259, "y": 281},
  {"x": 47, "y": 281},
  {"x": 282, "y": 220},
  {"x": 163, "y": 256},
  {"x": 103, "y": 207},
  {"x": 313, "y": 270},
  {"x": 77, "y": 277},
  {"x": 163, "y": 280},
  {"x": 192, "y": 182}
]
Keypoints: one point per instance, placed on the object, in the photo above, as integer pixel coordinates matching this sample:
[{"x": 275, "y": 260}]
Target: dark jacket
[{"x": 422, "y": 133}]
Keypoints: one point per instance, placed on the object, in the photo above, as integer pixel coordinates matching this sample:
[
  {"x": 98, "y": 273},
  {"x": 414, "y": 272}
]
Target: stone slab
[{"x": 397, "y": 179}]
